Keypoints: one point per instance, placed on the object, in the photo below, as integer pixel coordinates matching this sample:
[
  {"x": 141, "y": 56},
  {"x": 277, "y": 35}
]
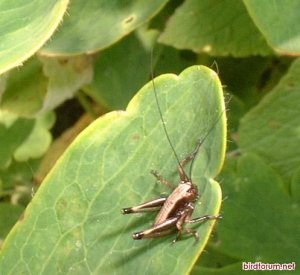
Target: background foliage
[{"x": 83, "y": 59}]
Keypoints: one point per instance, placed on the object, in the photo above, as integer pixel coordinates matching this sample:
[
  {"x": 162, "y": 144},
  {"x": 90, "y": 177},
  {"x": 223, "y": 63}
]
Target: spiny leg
[
  {"x": 191, "y": 230},
  {"x": 152, "y": 205},
  {"x": 188, "y": 231},
  {"x": 158, "y": 230},
  {"x": 162, "y": 180},
  {"x": 205, "y": 218}
]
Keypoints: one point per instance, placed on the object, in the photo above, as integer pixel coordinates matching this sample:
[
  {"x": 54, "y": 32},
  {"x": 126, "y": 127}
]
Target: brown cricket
[{"x": 175, "y": 210}]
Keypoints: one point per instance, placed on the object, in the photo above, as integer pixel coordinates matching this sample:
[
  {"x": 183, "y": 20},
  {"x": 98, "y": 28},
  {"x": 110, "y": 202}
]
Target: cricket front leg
[
  {"x": 162, "y": 180},
  {"x": 185, "y": 161},
  {"x": 159, "y": 230},
  {"x": 152, "y": 205}
]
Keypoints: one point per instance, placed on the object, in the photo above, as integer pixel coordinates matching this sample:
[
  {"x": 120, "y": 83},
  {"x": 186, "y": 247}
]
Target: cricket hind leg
[
  {"x": 153, "y": 205},
  {"x": 159, "y": 230}
]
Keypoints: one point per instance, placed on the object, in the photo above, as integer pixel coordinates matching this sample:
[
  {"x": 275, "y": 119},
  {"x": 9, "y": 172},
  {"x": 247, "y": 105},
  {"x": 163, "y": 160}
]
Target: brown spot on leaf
[
  {"x": 274, "y": 124},
  {"x": 63, "y": 61},
  {"x": 22, "y": 217},
  {"x": 135, "y": 136},
  {"x": 129, "y": 19}
]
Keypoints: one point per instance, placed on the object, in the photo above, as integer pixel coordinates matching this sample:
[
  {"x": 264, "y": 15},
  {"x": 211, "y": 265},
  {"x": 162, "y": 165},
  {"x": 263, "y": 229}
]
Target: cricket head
[{"x": 190, "y": 191}]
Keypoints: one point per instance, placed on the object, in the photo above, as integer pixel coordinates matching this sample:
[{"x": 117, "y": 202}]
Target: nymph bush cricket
[{"x": 176, "y": 209}]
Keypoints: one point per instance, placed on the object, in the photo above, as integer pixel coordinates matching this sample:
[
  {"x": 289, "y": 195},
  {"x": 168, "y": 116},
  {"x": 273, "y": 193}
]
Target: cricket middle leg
[{"x": 153, "y": 205}]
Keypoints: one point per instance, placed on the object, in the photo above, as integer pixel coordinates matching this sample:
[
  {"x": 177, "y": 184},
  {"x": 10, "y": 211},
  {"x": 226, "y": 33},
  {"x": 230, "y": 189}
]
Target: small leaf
[
  {"x": 25, "y": 26},
  {"x": 19, "y": 174},
  {"x": 216, "y": 27},
  {"x": 66, "y": 76},
  {"x": 25, "y": 89},
  {"x": 39, "y": 139},
  {"x": 13, "y": 132},
  {"x": 74, "y": 222}
]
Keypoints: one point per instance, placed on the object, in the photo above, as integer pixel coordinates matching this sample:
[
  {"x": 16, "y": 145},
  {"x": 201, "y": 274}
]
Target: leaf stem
[{"x": 85, "y": 103}]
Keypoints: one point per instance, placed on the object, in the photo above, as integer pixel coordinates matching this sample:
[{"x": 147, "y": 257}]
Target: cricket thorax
[
  {"x": 191, "y": 191},
  {"x": 183, "y": 194}
]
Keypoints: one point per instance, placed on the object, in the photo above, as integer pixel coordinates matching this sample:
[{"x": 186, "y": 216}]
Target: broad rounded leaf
[
  {"x": 279, "y": 22},
  {"x": 220, "y": 27},
  {"x": 25, "y": 26},
  {"x": 271, "y": 129},
  {"x": 96, "y": 24},
  {"x": 258, "y": 211},
  {"x": 74, "y": 222}
]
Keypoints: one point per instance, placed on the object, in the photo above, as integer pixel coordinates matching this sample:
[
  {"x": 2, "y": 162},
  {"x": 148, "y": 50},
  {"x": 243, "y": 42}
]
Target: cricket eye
[{"x": 191, "y": 191}]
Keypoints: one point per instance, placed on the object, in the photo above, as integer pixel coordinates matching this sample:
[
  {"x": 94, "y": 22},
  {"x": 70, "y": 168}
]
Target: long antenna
[
  {"x": 162, "y": 119},
  {"x": 201, "y": 141}
]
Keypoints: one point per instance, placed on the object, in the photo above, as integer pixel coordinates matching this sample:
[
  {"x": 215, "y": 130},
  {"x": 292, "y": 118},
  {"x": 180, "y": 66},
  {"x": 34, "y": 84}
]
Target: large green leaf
[
  {"x": 236, "y": 269},
  {"x": 9, "y": 214},
  {"x": 74, "y": 222},
  {"x": 220, "y": 27},
  {"x": 260, "y": 217},
  {"x": 25, "y": 26},
  {"x": 271, "y": 129},
  {"x": 295, "y": 186},
  {"x": 279, "y": 22},
  {"x": 96, "y": 24}
]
